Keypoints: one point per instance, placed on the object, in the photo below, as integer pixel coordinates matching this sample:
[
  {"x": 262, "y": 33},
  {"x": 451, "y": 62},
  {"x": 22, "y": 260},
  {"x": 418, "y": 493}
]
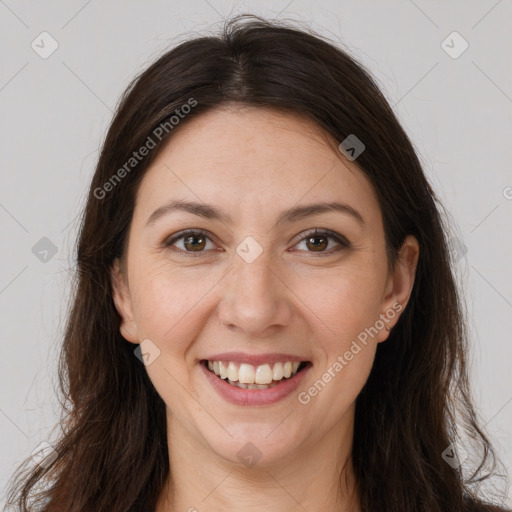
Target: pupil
[
  {"x": 192, "y": 238},
  {"x": 316, "y": 238}
]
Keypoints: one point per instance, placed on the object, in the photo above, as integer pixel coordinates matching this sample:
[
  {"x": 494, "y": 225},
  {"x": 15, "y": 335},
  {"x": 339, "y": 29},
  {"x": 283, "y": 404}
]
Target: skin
[{"x": 290, "y": 299}]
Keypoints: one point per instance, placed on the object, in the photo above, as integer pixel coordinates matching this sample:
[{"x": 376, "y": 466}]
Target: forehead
[{"x": 254, "y": 160}]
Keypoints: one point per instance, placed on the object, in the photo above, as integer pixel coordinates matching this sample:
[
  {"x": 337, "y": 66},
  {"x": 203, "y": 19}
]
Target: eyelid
[
  {"x": 167, "y": 243},
  {"x": 342, "y": 241},
  {"x": 328, "y": 233}
]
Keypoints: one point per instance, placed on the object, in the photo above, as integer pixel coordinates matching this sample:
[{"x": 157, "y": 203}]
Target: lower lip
[{"x": 240, "y": 396}]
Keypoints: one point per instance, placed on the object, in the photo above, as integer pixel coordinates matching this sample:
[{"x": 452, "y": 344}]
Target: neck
[{"x": 315, "y": 477}]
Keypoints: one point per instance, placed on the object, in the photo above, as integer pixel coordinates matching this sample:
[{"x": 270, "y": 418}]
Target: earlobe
[
  {"x": 122, "y": 302},
  {"x": 400, "y": 284}
]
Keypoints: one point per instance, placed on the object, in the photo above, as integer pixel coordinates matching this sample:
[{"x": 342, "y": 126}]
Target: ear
[
  {"x": 399, "y": 285},
  {"x": 123, "y": 302}
]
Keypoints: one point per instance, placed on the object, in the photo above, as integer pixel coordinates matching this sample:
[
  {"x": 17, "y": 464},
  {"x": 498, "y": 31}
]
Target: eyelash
[{"x": 344, "y": 243}]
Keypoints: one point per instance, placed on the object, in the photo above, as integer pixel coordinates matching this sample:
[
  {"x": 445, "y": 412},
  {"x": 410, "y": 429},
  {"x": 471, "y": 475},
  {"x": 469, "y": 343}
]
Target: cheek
[
  {"x": 168, "y": 300},
  {"x": 346, "y": 299},
  {"x": 346, "y": 309},
  {"x": 169, "y": 308},
  {"x": 345, "y": 305}
]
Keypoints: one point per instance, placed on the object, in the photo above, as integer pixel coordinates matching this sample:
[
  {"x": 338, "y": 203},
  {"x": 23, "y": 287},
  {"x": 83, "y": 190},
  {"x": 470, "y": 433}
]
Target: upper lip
[{"x": 254, "y": 359}]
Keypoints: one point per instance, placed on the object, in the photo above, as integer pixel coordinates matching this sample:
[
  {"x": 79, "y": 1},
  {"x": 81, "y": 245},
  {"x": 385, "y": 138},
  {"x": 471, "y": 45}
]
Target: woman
[{"x": 265, "y": 315}]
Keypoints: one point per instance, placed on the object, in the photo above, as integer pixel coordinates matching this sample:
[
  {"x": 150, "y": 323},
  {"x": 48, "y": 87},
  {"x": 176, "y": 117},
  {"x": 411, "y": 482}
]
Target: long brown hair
[{"x": 112, "y": 452}]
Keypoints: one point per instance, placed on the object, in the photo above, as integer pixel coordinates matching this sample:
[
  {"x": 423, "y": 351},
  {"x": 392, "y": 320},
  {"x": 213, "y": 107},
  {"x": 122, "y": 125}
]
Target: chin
[{"x": 254, "y": 445}]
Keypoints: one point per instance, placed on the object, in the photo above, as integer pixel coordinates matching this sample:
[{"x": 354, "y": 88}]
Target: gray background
[{"x": 55, "y": 112}]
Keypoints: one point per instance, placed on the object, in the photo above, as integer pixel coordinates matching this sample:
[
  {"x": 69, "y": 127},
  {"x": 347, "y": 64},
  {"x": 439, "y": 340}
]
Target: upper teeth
[{"x": 249, "y": 374}]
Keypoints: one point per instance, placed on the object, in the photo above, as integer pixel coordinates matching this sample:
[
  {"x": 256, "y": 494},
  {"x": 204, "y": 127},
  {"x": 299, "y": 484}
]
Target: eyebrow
[{"x": 288, "y": 216}]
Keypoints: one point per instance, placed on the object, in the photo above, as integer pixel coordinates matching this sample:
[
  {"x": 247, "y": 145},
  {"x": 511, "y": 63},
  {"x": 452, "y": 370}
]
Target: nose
[{"x": 255, "y": 297}]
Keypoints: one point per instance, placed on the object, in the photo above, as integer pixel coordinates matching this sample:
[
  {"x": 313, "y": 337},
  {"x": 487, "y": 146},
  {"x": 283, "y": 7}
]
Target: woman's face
[{"x": 248, "y": 290}]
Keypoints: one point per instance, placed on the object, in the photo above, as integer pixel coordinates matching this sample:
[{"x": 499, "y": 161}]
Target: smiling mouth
[{"x": 248, "y": 377}]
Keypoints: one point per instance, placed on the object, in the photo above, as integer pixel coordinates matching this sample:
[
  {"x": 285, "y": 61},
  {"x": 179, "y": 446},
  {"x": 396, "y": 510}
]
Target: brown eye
[
  {"x": 192, "y": 241},
  {"x": 318, "y": 241}
]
